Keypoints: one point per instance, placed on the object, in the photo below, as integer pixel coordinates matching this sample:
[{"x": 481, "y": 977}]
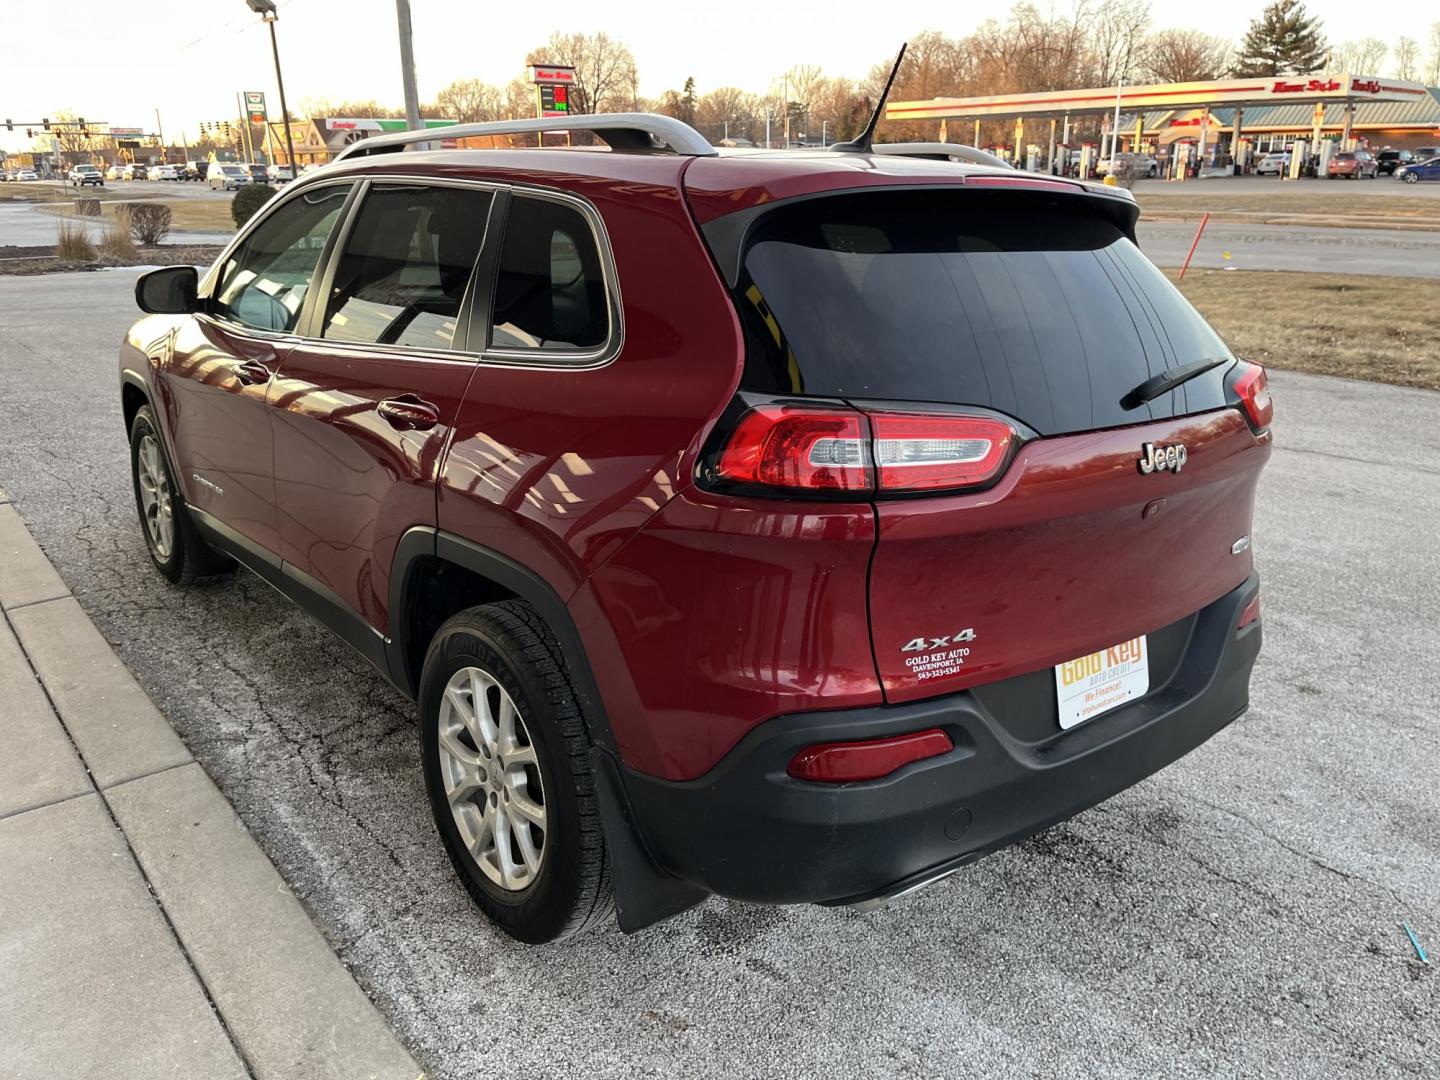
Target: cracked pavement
[{"x": 1235, "y": 915}]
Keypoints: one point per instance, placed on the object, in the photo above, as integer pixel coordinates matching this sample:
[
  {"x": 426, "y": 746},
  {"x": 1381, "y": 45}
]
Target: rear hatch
[{"x": 1026, "y": 514}]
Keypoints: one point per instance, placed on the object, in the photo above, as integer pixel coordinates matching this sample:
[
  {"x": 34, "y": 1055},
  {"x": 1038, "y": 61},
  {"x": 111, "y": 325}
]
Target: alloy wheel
[
  {"x": 492, "y": 779},
  {"x": 156, "y": 501}
]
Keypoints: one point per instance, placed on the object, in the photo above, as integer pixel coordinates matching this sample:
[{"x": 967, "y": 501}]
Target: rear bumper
[{"x": 747, "y": 830}]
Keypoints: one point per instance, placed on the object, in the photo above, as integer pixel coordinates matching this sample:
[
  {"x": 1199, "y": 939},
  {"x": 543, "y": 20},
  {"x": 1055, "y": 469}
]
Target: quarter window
[
  {"x": 550, "y": 290},
  {"x": 264, "y": 282},
  {"x": 406, "y": 264}
]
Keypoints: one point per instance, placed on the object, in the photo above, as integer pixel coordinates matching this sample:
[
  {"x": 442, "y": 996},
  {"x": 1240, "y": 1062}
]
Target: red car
[
  {"x": 795, "y": 526},
  {"x": 1353, "y": 166}
]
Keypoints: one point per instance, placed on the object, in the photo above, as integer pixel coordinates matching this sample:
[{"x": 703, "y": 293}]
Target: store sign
[
  {"x": 1365, "y": 86},
  {"x": 1314, "y": 86},
  {"x": 127, "y": 131},
  {"x": 551, "y": 74},
  {"x": 255, "y": 106}
]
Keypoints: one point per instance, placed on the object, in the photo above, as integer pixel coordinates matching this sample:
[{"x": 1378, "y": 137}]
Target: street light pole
[
  {"x": 407, "y": 66},
  {"x": 266, "y": 10},
  {"x": 1115, "y": 125}
]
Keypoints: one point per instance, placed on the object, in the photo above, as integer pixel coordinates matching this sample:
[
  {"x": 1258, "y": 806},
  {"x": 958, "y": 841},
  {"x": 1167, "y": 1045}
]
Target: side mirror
[{"x": 168, "y": 291}]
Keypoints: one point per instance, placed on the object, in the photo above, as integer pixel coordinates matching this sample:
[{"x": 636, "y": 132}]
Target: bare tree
[
  {"x": 470, "y": 101},
  {"x": 1185, "y": 56},
  {"x": 1363, "y": 57},
  {"x": 1432, "y": 60},
  {"x": 519, "y": 97},
  {"x": 1407, "y": 58},
  {"x": 605, "y": 74},
  {"x": 727, "y": 111},
  {"x": 1117, "y": 39}
]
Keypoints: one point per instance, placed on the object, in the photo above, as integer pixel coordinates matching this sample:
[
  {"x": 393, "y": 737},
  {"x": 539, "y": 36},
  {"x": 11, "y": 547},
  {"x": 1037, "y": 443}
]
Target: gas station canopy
[{"x": 1265, "y": 90}]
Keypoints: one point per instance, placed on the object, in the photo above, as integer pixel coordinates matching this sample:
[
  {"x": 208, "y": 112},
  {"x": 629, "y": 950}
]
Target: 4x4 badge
[
  {"x": 1156, "y": 458},
  {"x": 925, "y": 644}
]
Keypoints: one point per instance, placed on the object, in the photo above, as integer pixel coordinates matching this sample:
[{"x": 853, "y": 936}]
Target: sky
[{"x": 120, "y": 62}]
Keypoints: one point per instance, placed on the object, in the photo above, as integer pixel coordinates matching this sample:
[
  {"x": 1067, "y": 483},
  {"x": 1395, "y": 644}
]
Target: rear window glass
[
  {"x": 550, "y": 289},
  {"x": 406, "y": 264},
  {"x": 1014, "y": 303}
]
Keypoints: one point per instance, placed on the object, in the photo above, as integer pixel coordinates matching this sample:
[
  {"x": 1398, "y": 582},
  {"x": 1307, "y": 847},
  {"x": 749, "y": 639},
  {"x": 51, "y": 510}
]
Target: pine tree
[{"x": 1284, "y": 40}]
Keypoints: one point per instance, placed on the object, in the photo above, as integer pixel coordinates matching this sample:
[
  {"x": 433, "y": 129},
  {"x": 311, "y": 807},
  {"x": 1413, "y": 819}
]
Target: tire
[
  {"x": 1411, "y": 178},
  {"x": 178, "y": 552},
  {"x": 503, "y": 654}
]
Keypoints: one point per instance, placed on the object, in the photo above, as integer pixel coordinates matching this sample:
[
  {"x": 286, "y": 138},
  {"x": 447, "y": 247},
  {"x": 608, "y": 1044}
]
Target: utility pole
[
  {"x": 407, "y": 65},
  {"x": 160, "y": 132}
]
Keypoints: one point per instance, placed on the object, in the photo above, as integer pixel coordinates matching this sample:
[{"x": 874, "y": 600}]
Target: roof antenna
[{"x": 861, "y": 143}]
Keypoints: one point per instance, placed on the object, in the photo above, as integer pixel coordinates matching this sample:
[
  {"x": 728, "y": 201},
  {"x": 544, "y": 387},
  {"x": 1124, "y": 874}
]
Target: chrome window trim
[{"x": 519, "y": 359}]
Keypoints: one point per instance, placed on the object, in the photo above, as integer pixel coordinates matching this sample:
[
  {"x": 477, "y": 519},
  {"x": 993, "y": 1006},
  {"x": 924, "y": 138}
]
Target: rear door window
[
  {"x": 1020, "y": 303},
  {"x": 550, "y": 291},
  {"x": 407, "y": 262}
]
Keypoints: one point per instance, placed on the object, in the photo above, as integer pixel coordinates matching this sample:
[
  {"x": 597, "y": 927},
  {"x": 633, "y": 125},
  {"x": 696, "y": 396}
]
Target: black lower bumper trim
[{"x": 748, "y": 830}]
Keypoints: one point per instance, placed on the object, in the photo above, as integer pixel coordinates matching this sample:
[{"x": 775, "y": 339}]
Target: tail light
[
  {"x": 928, "y": 453},
  {"x": 840, "y": 450},
  {"x": 1253, "y": 386},
  {"x": 801, "y": 448},
  {"x": 849, "y": 762}
]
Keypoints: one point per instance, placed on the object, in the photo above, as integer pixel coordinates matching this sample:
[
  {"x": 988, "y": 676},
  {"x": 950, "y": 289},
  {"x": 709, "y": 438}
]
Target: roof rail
[
  {"x": 941, "y": 151},
  {"x": 622, "y": 131}
]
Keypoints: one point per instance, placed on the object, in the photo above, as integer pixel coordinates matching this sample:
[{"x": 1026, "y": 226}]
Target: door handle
[
  {"x": 408, "y": 413},
  {"x": 251, "y": 372}
]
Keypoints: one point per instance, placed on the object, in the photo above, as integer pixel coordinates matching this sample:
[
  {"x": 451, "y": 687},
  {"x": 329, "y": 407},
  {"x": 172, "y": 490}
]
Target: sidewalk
[{"x": 143, "y": 932}]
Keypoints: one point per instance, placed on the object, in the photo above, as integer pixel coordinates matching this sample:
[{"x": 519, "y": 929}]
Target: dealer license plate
[{"x": 1090, "y": 685}]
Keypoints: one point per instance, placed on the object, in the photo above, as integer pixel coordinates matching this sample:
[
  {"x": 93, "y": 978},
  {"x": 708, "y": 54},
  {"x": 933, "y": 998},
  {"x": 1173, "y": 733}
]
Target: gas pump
[
  {"x": 1180, "y": 160},
  {"x": 1087, "y": 161},
  {"x": 1033, "y": 156},
  {"x": 1299, "y": 154},
  {"x": 1327, "y": 149}
]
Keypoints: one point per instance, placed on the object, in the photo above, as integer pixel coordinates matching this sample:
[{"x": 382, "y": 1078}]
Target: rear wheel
[
  {"x": 175, "y": 546},
  {"x": 1411, "y": 178},
  {"x": 507, "y": 767}
]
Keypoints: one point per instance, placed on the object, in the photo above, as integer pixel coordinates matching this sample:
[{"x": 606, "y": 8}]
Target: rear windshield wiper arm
[{"x": 1166, "y": 381}]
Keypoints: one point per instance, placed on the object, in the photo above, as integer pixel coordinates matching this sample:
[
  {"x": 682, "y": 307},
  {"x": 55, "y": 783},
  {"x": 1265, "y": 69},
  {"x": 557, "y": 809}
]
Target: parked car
[
  {"x": 225, "y": 176},
  {"x": 1387, "y": 161},
  {"x": 27, "y": 176},
  {"x": 164, "y": 172},
  {"x": 86, "y": 176},
  {"x": 1419, "y": 170},
  {"x": 279, "y": 174},
  {"x": 721, "y": 560},
  {"x": 259, "y": 174},
  {"x": 1425, "y": 153},
  {"x": 1352, "y": 165},
  {"x": 195, "y": 170},
  {"x": 1276, "y": 163},
  {"x": 1140, "y": 164}
]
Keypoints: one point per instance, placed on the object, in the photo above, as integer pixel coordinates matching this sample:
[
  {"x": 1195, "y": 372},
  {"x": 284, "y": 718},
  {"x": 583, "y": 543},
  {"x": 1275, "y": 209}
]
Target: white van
[{"x": 224, "y": 175}]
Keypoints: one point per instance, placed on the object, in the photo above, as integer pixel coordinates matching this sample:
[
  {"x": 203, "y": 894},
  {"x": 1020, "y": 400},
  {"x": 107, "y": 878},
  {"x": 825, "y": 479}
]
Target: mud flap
[{"x": 644, "y": 893}]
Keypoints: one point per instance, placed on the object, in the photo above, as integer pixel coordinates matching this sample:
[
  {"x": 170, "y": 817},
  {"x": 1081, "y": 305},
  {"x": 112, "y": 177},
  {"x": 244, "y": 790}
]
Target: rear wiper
[{"x": 1166, "y": 381}]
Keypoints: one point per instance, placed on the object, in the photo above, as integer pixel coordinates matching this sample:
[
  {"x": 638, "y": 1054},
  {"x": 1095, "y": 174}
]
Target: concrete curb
[{"x": 200, "y": 961}]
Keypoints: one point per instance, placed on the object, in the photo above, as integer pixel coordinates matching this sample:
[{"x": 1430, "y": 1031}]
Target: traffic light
[
  {"x": 9, "y": 124},
  {"x": 46, "y": 122},
  {"x": 29, "y": 133}
]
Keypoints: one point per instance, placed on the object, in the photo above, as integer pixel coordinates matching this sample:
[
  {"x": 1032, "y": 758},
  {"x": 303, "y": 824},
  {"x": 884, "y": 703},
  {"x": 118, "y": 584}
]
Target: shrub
[
  {"x": 115, "y": 242},
  {"x": 87, "y": 207},
  {"x": 149, "y": 222},
  {"x": 74, "y": 243},
  {"x": 247, "y": 200}
]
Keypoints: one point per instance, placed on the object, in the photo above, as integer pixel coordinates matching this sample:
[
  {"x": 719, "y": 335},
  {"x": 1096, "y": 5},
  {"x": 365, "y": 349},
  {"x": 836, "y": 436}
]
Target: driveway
[
  {"x": 1236, "y": 915},
  {"x": 1294, "y": 247}
]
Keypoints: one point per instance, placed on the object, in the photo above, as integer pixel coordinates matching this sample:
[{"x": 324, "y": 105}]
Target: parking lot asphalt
[
  {"x": 1390, "y": 252},
  {"x": 1236, "y": 915}
]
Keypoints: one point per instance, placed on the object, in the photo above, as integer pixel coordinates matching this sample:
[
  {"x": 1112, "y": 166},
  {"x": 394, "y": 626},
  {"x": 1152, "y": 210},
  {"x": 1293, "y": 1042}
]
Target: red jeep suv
[{"x": 795, "y": 526}]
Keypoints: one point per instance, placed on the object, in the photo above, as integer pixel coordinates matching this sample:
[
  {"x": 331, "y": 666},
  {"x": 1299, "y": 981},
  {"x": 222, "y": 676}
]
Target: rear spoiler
[{"x": 727, "y": 234}]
